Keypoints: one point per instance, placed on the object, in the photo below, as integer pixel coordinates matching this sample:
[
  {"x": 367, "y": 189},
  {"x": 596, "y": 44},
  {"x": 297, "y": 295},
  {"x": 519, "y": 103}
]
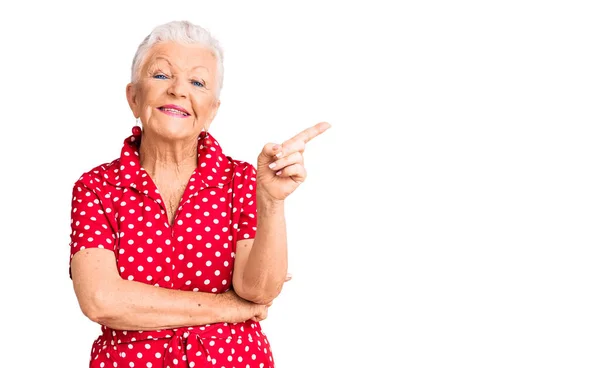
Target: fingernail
[
  {"x": 279, "y": 155},
  {"x": 272, "y": 165},
  {"x": 278, "y": 172},
  {"x": 276, "y": 147}
]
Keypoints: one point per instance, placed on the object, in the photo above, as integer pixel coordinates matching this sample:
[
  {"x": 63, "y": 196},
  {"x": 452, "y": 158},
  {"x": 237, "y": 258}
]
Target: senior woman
[{"x": 178, "y": 250}]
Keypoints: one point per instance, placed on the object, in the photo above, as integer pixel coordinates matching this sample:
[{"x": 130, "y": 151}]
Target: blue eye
[
  {"x": 160, "y": 76},
  {"x": 197, "y": 84}
]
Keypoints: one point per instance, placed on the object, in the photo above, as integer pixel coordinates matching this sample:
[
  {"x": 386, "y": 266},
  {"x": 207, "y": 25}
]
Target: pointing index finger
[{"x": 308, "y": 134}]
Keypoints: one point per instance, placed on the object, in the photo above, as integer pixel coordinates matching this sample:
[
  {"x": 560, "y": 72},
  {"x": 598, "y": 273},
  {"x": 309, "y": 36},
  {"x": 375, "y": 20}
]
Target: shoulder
[
  {"x": 244, "y": 180},
  {"x": 97, "y": 177},
  {"x": 243, "y": 168}
]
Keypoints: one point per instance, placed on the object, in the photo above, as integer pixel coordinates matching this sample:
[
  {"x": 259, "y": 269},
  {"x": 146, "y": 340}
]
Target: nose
[{"x": 178, "y": 88}]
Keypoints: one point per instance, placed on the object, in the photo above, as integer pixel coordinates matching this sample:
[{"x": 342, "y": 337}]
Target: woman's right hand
[{"x": 241, "y": 310}]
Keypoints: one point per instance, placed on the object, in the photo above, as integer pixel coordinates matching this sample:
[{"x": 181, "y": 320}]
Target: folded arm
[{"x": 106, "y": 298}]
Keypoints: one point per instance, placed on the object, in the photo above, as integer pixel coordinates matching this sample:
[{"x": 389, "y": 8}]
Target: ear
[
  {"x": 131, "y": 92},
  {"x": 213, "y": 113}
]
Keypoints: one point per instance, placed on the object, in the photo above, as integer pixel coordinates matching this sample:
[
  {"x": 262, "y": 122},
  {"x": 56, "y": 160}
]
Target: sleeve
[
  {"x": 90, "y": 227},
  {"x": 246, "y": 202}
]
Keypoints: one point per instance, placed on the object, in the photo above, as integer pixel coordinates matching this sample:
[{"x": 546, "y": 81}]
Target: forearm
[
  {"x": 131, "y": 305},
  {"x": 266, "y": 268}
]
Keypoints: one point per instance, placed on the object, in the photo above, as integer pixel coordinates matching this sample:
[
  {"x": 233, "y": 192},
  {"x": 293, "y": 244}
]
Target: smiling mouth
[{"x": 173, "y": 112}]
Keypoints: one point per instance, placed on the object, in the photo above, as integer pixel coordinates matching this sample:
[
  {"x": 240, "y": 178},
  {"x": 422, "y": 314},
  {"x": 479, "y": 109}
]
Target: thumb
[{"x": 268, "y": 154}]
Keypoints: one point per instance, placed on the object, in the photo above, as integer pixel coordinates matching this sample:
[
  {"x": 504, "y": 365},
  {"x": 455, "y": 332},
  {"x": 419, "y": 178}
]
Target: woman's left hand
[{"x": 280, "y": 168}]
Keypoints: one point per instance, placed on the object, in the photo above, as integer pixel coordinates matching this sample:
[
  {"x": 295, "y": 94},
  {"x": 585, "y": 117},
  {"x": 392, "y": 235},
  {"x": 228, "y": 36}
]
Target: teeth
[{"x": 175, "y": 111}]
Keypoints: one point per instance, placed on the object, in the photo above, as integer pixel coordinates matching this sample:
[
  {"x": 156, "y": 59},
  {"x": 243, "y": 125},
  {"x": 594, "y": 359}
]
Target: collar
[{"x": 214, "y": 169}]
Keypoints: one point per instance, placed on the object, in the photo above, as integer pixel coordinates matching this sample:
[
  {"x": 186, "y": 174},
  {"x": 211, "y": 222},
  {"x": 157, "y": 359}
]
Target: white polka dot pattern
[{"x": 117, "y": 207}]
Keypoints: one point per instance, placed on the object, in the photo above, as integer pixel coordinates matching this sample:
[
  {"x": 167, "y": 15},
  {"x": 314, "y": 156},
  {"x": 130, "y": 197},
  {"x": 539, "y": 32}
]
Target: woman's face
[{"x": 174, "y": 96}]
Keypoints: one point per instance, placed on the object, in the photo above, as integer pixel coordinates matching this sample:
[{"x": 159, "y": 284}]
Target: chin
[
  {"x": 177, "y": 134},
  {"x": 171, "y": 130}
]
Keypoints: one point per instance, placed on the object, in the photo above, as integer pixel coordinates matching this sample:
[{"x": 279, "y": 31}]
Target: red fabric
[{"x": 116, "y": 206}]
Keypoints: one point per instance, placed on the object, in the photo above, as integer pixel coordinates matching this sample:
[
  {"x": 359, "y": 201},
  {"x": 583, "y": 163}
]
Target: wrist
[
  {"x": 226, "y": 307},
  {"x": 267, "y": 202}
]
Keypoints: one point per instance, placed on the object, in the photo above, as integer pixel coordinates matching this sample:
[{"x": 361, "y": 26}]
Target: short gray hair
[{"x": 185, "y": 33}]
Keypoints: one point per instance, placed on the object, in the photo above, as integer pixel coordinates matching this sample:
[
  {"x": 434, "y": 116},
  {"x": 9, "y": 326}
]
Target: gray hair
[{"x": 182, "y": 32}]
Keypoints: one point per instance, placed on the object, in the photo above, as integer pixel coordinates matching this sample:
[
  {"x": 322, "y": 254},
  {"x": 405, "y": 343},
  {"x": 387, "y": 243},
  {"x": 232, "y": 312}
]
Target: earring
[
  {"x": 137, "y": 129},
  {"x": 205, "y": 138}
]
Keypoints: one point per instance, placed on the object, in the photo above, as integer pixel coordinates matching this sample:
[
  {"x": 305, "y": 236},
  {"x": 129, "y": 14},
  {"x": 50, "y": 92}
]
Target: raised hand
[{"x": 281, "y": 166}]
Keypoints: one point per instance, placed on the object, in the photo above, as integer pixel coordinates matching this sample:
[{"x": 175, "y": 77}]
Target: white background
[{"x": 450, "y": 217}]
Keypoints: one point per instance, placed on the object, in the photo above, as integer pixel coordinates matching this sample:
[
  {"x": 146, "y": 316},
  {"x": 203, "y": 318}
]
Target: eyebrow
[{"x": 168, "y": 62}]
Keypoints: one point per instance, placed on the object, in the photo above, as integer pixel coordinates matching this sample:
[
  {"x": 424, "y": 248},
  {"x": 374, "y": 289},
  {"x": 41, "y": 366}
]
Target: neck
[{"x": 169, "y": 158}]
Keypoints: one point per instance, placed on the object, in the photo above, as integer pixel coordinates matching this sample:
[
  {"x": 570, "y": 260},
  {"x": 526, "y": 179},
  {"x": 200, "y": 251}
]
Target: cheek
[
  {"x": 149, "y": 111},
  {"x": 151, "y": 92},
  {"x": 149, "y": 101},
  {"x": 202, "y": 107}
]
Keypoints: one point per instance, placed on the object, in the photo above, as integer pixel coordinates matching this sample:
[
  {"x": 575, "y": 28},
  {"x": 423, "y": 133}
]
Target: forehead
[{"x": 185, "y": 57}]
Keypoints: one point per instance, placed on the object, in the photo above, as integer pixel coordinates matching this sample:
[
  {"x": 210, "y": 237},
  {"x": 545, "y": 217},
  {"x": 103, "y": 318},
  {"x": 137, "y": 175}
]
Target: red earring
[
  {"x": 136, "y": 130},
  {"x": 205, "y": 137}
]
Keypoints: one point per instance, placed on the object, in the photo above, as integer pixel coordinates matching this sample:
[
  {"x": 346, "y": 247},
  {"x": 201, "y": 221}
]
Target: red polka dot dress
[{"x": 116, "y": 206}]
